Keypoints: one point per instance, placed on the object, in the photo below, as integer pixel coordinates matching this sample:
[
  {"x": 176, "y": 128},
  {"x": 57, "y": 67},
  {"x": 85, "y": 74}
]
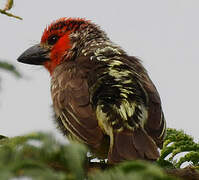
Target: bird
[{"x": 102, "y": 97}]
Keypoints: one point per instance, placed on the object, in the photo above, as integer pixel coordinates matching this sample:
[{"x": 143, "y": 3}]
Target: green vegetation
[
  {"x": 175, "y": 143},
  {"x": 40, "y": 156},
  {"x": 10, "y": 68}
]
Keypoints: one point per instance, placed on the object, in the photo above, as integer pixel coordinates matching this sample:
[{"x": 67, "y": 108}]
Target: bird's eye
[{"x": 52, "y": 39}]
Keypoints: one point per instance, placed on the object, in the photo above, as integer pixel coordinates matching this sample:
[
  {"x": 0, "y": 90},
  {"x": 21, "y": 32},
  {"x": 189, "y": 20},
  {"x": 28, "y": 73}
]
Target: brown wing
[
  {"x": 71, "y": 102},
  {"x": 124, "y": 95},
  {"x": 155, "y": 124}
]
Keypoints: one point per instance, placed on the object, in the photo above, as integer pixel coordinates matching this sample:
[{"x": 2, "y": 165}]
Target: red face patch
[
  {"x": 58, "y": 51},
  {"x": 57, "y": 36}
]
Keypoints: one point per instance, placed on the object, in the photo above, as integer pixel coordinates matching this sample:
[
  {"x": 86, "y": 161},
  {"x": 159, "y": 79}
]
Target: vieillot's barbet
[{"x": 101, "y": 96}]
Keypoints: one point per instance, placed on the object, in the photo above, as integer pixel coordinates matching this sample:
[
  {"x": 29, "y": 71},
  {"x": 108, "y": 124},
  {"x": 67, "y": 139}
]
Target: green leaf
[
  {"x": 176, "y": 142},
  {"x": 9, "y": 67}
]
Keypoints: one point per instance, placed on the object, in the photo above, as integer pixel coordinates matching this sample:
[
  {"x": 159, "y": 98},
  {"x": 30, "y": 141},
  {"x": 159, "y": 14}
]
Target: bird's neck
[{"x": 88, "y": 40}]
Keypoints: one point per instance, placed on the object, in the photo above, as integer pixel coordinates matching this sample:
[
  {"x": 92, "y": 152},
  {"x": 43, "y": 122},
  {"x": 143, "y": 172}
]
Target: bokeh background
[{"x": 163, "y": 34}]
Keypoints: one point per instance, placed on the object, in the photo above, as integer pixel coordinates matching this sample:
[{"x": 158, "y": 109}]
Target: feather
[
  {"x": 72, "y": 103},
  {"x": 128, "y": 145}
]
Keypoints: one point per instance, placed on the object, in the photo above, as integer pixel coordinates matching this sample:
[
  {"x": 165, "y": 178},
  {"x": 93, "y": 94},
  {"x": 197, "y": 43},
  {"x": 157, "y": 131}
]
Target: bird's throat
[{"x": 49, "y": 66}]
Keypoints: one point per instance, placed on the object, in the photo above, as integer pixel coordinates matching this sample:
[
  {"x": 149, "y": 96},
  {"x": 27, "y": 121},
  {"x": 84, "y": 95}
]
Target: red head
[{"x": 55, "y": 43}]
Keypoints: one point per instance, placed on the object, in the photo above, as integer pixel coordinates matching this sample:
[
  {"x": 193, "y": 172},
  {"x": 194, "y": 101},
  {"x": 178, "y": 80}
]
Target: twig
[
  {"x": 188, "y": 173},
  {"x": 9, "y": 14}
]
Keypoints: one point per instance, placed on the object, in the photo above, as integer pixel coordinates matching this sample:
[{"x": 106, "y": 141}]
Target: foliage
[
  {"x": 135, "y": 170},
  {"x": 7, "y": 7},
  {"x": 175, "y": 143},
  {"x": 4, "y": 65},
  {"x": 40, "y": 156},
  {"x": 9, "y": 67}
]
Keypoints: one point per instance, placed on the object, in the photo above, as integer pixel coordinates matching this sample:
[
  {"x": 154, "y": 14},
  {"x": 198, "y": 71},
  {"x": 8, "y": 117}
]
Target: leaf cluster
[
  {"x": 176, "y": 143},
  {"x": 10, "y": 68},
  {"x": 41, "y": 156}
]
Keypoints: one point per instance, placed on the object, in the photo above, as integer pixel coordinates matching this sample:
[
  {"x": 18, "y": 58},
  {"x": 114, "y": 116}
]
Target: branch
[
  {"x": 9, "y": 14},
  {"x": 188, "y": 173},
  {"x": 8, "y": 6}
]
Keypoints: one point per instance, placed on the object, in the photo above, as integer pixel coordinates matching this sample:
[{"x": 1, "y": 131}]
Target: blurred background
[{"x": 163, "y": 34}]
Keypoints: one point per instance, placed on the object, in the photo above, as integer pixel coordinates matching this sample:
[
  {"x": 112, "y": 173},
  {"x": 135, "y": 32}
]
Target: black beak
[{"x": 36, "y": 55}]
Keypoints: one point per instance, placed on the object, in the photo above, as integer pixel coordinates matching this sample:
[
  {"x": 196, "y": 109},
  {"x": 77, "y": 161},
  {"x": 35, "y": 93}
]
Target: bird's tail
[{"x": 130, "y": 145}]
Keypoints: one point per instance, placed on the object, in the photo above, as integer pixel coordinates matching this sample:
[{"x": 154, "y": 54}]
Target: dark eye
[{"x": 52, "y": 39}]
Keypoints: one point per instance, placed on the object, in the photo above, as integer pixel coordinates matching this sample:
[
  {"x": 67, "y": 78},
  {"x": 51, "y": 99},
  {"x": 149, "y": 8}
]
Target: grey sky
[{"x": 164, "y": 34}]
